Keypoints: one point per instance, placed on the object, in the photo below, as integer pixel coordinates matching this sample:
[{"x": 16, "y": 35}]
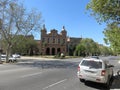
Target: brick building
[{"x": 53, "y": 43}]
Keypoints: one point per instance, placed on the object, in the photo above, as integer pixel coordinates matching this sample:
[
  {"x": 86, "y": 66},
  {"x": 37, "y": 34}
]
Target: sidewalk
[{"x": 37, "y": 58}]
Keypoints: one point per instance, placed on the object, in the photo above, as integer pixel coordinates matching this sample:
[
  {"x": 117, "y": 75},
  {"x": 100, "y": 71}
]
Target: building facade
[{"x": 53, "y": 43}]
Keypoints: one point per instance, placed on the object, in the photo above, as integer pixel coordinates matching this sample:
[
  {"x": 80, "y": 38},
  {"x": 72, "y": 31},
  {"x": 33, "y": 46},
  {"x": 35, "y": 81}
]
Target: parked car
[
  {"x": 95, "y": 70},
  {"x": 16, "y": 55},
  {"x": 10, "y": 59}
]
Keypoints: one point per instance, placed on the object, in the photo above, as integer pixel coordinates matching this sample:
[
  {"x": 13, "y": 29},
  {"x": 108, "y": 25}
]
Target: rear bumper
[{"x": 98, "y": 79}]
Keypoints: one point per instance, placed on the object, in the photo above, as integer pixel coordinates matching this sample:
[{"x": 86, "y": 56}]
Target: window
[
  {"x": 92, "y": 64},
  {"x": 58, "y": 40},
  {"x": 48, "y": 40},
  {"x": 63, "y": 41},
  {"x": 53, "y": 40}
]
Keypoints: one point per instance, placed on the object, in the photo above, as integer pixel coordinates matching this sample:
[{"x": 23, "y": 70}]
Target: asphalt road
[{"x": 49, "y": 75}]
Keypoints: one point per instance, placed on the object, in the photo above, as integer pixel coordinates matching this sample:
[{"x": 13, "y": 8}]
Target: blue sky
[{"x": 69, "y": 13}]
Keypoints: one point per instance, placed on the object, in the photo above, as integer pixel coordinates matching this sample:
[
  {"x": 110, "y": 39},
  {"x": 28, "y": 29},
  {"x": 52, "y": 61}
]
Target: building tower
[
  {"x": 53, "y": 43},
  {"x": 64, "y": 32}
]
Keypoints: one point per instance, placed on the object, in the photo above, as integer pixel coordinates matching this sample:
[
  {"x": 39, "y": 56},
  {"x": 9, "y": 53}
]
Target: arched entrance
[
  {"x": 58, "y": 50},
  {"x": 53, "y": 51},
  {"x": 48, "y": 51}
]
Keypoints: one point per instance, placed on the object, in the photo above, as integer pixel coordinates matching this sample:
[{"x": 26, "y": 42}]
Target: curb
[{"x": 37, "y": 58}]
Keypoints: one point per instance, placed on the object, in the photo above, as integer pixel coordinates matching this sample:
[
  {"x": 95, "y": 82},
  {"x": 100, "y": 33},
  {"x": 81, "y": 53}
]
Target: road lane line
[
  {"x": 55, "y": 84},
  {"x": 28, "y": 75}
]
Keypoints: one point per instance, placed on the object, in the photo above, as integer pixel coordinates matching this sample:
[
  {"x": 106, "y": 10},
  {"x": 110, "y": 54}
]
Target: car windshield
[{"x": 92, "y": 64}]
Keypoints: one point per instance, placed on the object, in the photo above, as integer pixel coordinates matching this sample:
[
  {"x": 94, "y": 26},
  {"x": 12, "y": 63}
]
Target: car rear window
[{"x": 92, "y": 64}]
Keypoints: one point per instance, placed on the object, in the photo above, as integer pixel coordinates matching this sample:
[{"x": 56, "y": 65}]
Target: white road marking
[
  {"x": 55, "y": 84},
  {"x": 33, "y": 74}
]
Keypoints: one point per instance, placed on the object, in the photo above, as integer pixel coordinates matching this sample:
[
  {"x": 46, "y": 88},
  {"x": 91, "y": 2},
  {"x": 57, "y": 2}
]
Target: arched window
[
  {"x": 53, "y": 51},
  {"x": 58, "y": 40},
  {"x": 53, "y": 40},
  {"x": 48, "y": 51}
]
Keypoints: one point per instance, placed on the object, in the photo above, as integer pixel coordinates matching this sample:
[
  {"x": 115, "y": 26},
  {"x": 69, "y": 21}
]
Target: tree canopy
[
  {"x": 112, "y": 36},
  {"x": 108, "y": 11},
  {"x": 25, "y": 46},
  {"x": 16, "y": 20},
  {"x": 87, "y": 47},
  {"x": 105, "y": 10}
]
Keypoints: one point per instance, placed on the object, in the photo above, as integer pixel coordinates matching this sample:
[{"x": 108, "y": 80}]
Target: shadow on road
[
  {"x": 51, "y": 64},
  {"x": 114, "y": 84}
]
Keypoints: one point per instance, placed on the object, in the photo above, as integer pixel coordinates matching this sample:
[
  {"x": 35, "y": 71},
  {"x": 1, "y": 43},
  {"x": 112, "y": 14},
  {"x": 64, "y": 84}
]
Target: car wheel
[{"x": 107, "y": 84}]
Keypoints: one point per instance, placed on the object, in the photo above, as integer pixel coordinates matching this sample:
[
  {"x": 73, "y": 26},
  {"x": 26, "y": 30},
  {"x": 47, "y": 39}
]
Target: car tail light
[
  {"x": 103, "y": 73},
  {"x": 78, "y": 68}
]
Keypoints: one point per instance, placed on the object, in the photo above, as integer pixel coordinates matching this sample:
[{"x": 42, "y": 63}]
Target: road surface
[{"x": 48, "y": 75}]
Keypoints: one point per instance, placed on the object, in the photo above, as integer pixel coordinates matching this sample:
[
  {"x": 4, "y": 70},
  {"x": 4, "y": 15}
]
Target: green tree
[
  {"x": 31, "y": 46},
  {"x": 112, "y": 36},
  {"x": 15, "y": 20},
  {"x": 108, "y": 11},
  {"x": 26, "y": 45},
  {"x": 87, "y": 47},
  {"x": 105, "y": 10},
  {"x": 80, "y": 50}
]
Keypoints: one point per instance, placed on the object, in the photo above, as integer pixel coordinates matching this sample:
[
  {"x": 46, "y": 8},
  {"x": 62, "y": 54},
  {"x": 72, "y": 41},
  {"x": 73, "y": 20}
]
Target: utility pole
[{"x": 68, "y": 47}]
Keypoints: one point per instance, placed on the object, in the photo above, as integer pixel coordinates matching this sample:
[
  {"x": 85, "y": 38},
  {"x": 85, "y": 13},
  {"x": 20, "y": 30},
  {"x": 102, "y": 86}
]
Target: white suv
[{"x": 95, "y": 70}]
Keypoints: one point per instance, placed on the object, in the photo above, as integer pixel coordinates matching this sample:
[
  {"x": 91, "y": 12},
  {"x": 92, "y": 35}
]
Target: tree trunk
[{"x": 8, "y": 53}]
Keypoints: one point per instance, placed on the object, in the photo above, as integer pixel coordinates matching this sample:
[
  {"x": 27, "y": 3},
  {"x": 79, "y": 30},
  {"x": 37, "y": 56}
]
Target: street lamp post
[{"x": 68, "y": 42}]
